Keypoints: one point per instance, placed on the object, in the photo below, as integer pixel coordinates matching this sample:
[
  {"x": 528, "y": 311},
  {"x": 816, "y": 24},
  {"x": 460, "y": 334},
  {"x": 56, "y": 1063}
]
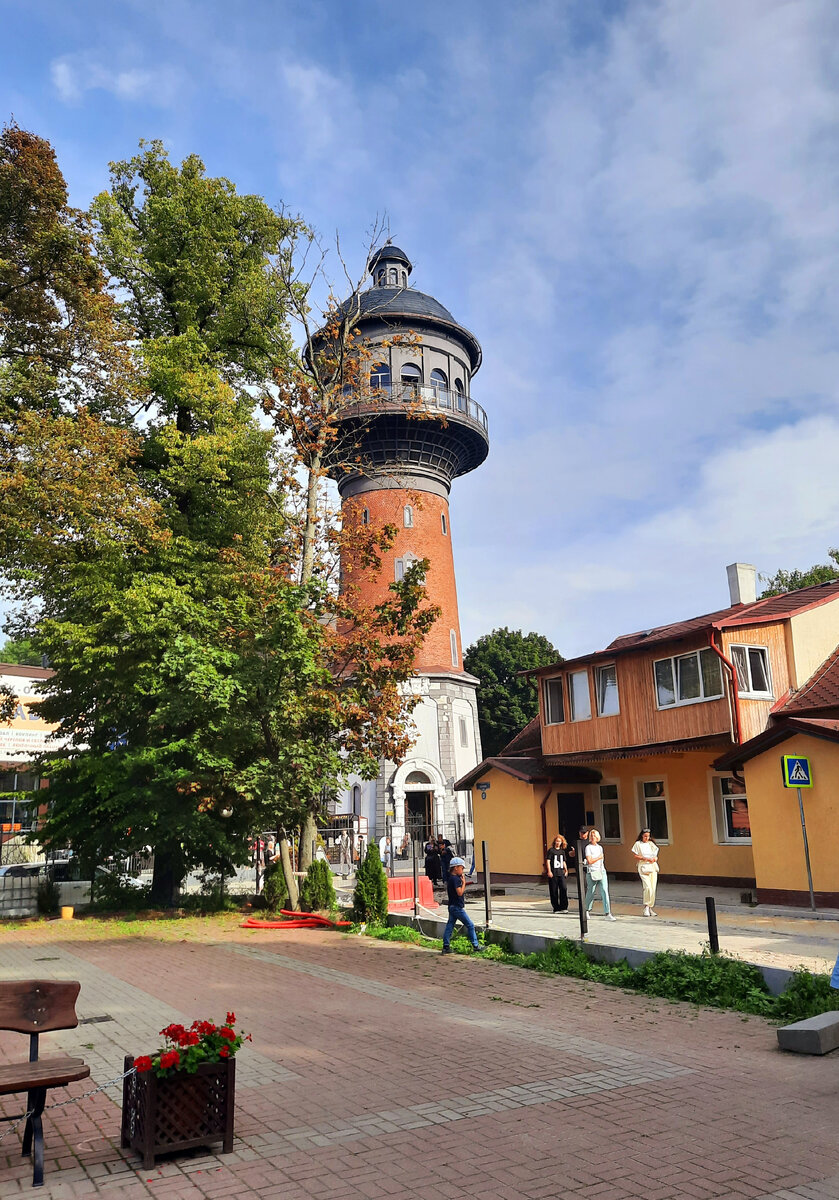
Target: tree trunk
[
  {"x": 308, "y": 838},
  {"x": 310, "y": 528},
  {"x": 166, "y": 880},
  {"x": 288, "y": 873}
]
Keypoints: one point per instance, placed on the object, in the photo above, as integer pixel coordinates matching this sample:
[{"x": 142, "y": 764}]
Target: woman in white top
[
  {"x": 646, "y": 852},
  {"x": 596, "y": 876}
]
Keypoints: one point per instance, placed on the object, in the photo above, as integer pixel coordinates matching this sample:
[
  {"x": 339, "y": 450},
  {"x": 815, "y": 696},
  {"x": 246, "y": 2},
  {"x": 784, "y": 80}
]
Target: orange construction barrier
[{"x": 400, "y": 891}]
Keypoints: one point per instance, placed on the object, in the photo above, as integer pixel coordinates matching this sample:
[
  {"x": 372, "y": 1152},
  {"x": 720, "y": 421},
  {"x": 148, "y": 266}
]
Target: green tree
[
  {"x": 791, "y": 581},
  {"x": 318, "y": 890},
  {"x": 370, "y": 898},
  {"x": 506, "y": 701},
  {"x": 21, "y": 652}
]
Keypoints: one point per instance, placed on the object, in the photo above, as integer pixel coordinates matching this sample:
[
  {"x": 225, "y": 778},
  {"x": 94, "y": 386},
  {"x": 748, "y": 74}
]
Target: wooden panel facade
[{"x": 640, "y": 722}]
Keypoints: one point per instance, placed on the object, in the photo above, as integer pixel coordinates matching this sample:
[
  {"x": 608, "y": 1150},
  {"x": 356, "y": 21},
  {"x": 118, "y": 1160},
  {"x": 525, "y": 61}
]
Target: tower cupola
[{"x": 390, "y": 267}]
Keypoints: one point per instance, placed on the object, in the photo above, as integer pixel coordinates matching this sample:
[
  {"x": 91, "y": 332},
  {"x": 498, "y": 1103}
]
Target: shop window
[
  {"x": 654, "y": 809},
  {"x": 731, "y": 806},
  {"x": 610, "y": 812}
]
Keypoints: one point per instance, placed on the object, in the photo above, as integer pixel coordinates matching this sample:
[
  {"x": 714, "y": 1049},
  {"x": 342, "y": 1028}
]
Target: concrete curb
[{"x": 776, "y": 978}]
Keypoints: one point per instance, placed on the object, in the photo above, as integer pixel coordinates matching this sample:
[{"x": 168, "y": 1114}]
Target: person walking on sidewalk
[
  {"x": 557, "y": 872},
  {"x": 596, "y": 876},
  {"x": 646, "y": 852},
  {"x": 457, "y": 907}
]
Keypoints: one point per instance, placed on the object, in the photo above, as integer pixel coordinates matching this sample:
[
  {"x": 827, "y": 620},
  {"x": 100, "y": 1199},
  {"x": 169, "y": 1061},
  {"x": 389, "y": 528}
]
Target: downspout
[
  {"x": 545, "y": 800},
  {"x": 735, "y": 690}
]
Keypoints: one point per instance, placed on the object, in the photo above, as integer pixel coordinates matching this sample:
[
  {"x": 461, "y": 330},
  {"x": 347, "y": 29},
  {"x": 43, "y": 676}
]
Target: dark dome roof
[
  {"x": 389, "y": 254},
  {"x": 390, "y": 303}
]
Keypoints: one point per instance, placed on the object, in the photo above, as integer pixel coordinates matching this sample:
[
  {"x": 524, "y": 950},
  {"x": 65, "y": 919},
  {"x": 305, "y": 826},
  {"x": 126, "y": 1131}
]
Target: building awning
[
  {"x": 530, "y": 770},
  {"x": 652, "y": 749}
]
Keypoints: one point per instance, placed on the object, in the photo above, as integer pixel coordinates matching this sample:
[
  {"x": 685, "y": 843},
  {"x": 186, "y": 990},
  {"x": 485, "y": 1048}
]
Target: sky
[{"x": 632, "y": 205}]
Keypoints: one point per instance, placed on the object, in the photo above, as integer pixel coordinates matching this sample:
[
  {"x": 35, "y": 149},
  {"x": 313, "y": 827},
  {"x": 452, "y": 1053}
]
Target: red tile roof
[
  {"x": 773, "y": 608},
  {"x": 777, "y": 733},
  {"x": 819, "y": 692}
]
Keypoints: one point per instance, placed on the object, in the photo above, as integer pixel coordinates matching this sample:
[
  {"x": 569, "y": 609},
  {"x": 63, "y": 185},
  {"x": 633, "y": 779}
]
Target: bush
[
  {"x": 370, "y": 895},
  {"x": 806, "y": 995},
  {"x": 317, "y": 890},
  {"x": 273, "y": 887},
  {"x": 49, "y": 897},
  {"x": 712, "y": 979},
  {"x": 113, "y": 892}
]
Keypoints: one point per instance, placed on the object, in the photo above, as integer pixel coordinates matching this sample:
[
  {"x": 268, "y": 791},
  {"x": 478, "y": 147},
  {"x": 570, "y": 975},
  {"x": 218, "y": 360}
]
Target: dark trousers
[{"x": 559, "y": 892}]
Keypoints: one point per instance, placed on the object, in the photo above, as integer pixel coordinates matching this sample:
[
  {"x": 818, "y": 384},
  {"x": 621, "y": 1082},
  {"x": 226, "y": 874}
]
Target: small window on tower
[
  {"x": 408, "y": 516},
  {"x": 391, "y": 275},
  {"x": 453, "y": 637},
  {"x": 444, "y": 524},
  {"x": 365, "y": 516},
  {"x": 464, "y": 731},
  {"x": 399, "y": 570},
  {"x": 411, "y": 375}
]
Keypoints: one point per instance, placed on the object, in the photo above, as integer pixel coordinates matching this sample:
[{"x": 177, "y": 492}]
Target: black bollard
[
  {"x": 581, "y": 899},
  {"x": 487, "y": 896},
  {"x": 713, "y": 936}
]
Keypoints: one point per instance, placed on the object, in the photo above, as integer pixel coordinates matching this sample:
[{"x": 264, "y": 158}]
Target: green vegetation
[
  {"x": 791, "y": 581},
  {"x": 506, "y": 700},
  {"x": 318, "y": 890},
  {"x": 49, "y": 897},
  {"x": 370, "y": 895},
  {"x": 274, "y": 889},
  {"x": 712, "y": 980}
]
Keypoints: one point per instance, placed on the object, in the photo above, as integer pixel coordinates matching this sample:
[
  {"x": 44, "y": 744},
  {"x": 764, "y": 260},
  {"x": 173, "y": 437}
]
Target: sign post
[{"x": 797, "y": 774}]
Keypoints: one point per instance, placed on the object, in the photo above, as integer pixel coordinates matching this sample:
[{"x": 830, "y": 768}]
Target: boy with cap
[{"x": 457, "y": 909}]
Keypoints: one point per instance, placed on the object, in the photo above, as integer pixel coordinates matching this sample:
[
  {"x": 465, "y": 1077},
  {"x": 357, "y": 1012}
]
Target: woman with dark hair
[
  {"x": 433, "y": 867},
  {"x": 645, "y": 851},
  {"x": 557, "y": 872}
]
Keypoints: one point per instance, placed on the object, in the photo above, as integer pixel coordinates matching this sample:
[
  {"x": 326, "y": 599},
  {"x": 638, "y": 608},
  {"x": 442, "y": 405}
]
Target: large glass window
[
  {"x": 653, "y": 805},
  {"x": 607, "y": 691},
  {"x": 688, "y": 678},
  {"x": 439, "y": 382},
  {"x": 380, "y": 376},
  {"x": 752, "y": 666},
  {"x": 553, "y": 700},
  {"x": 411, "y": 375},
  {"x": 732, "y": 810},
  {"x": 579, "y": 697}
]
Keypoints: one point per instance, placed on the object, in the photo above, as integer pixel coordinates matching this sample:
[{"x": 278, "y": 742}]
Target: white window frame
[
  {"x": 597, "y": 670},
  {"x": 601, "y": 825},
  {"x": 546, "y": 684},
  {"x": 641, "y": 804},
  {"x": 718, "y": 821},
  {"x": 571, "y": 714},
  {"x": 749, "y": 693},
  {"x": 463, "y": 727},
  {"x": 408, "y": 516},
  {"x": 677, "y": 703},
  {"x": 453, "y": 644}
]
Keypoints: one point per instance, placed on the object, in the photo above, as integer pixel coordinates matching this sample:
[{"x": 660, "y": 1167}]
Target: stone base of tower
[{"x": 417, "y": 796}]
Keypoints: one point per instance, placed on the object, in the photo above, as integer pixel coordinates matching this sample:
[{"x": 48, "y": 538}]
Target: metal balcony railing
[{"x": 433, "y": 397}]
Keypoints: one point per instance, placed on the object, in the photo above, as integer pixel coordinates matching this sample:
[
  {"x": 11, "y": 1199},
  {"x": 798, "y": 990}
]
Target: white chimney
[{"x": 742, "y": 583}]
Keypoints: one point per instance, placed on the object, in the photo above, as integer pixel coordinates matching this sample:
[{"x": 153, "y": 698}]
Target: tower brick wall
[{"x": 428, "y": 536}]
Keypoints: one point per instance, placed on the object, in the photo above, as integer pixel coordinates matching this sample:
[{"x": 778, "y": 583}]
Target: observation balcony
[{"x": 426, "y": 400}]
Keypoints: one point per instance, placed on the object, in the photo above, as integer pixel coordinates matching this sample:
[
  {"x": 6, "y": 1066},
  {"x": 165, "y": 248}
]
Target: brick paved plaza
[{"x": 382, "y": 1070}]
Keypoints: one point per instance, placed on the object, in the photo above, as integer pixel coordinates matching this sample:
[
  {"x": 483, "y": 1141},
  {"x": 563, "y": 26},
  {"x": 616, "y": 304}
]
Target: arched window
[
  {"x": 356, "y": 800},
  {"x": 392, "y": 276},
  {"x": 379, "y": 376},
  {"x": 444, "y": 524},
  {"x": 365, "y": 516},
  {"x": 408, "y": 517},
  {"x": 411, "y": 375},
  {"x": 404, "y": 278},
  {"x": 453, "y": 639},
  {"x": 380, "y": 276},
  {"x": 401, "y": 565},
  {"x": 460, "y": 395},
  {"x": 440, "y": 383}
]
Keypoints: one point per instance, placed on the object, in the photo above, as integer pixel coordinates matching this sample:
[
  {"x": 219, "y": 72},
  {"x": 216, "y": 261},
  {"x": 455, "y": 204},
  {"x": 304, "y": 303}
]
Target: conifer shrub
[
  {"x": 273, "y": 887},
  {"x": 317, "y": 890},
  {"x": 370, "y": 895}
]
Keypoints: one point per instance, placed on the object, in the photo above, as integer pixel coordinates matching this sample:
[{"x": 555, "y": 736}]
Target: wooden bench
[{"x": 35, "y": 1006}]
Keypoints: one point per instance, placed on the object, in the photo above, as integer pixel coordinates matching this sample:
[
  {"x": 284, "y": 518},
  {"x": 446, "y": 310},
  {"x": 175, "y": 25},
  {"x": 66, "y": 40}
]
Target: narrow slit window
[
  {"x": 453, "y": 640},
  {"x": 444, "y": 525},
  {"x": 408, "y": 516}
]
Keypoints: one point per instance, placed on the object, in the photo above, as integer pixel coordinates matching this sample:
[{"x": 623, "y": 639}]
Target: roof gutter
[{"x": 735, "y": 690}]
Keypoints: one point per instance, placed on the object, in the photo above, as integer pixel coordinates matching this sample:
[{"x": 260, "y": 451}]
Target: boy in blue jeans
[{"x": 457, "y": 910}]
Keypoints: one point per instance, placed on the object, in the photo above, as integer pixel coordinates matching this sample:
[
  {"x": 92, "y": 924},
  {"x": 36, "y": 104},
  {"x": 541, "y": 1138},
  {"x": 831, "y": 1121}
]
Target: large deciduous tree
[
  {"x": 506, "y": 701},
  {"x": 793, "y": 580}
]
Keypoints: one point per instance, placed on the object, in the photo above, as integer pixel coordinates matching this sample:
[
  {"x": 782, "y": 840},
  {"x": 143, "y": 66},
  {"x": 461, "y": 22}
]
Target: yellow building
[{"x": 652, "y": 719}]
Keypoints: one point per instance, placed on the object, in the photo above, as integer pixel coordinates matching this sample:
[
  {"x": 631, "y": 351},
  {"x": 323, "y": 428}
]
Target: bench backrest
[{"x": 35, "y": 1005}]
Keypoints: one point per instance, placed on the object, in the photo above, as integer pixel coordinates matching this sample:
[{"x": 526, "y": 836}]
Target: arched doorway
[{"x": 419, "y": 805}]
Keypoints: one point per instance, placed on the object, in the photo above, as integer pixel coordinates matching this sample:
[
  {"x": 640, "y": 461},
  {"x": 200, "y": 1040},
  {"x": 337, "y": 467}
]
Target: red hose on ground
[{"x": 293, "y": 920}]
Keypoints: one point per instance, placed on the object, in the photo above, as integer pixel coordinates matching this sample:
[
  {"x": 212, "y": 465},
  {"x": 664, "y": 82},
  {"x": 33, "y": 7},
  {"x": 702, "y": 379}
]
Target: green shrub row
[{"x": 714, "y": 980}]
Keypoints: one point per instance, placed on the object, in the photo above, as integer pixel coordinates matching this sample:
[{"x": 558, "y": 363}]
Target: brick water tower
[{"x": 418, "y": 430}]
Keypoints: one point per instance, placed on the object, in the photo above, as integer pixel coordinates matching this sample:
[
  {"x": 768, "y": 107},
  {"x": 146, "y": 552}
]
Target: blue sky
[{"x": 632, "y": 205}]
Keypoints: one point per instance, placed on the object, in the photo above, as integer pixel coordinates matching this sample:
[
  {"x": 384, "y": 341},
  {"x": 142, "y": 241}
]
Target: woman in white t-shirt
[
  {"x": 596, "y": 876},
  {"x": 646, "y": 852}
]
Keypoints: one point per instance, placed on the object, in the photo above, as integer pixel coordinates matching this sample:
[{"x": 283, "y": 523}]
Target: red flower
[
  {"x": 173, "y": 1032},
  {"x": 189, "y": 1038},
  {"x": 143, "y": 1063},
  {"x": 227, "y": 1032},
  {"x": 170, "y": 1058},
  {"x": 231, "y": 1018},
  {"x": 224, "y": 1052}
]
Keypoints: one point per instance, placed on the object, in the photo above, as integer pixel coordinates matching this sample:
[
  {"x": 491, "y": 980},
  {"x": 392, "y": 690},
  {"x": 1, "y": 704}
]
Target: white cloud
[{"x": 75, "y": 74}]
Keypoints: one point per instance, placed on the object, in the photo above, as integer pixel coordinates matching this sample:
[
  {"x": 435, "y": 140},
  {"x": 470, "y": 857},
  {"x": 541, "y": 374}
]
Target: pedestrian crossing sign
[{"x": 796, "y": 771}]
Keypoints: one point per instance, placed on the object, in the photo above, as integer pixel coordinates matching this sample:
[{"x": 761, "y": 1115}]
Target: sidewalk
[
  {"x": 770, "y": 936},
  {"x": 381, "y": 1071}
]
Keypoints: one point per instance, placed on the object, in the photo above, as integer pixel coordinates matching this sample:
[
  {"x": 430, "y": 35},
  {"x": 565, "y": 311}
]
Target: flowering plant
[{"x": 186, "y": 1049}]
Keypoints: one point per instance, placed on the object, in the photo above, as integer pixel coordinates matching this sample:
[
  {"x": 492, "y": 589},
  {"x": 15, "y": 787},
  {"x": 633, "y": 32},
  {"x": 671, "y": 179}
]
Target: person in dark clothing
[
  {"x": 457, "y": 909},
  {"x": 557, "y": 872},
  {"x": 446, "y": 852},
  {"x": 432, "y": 863}
]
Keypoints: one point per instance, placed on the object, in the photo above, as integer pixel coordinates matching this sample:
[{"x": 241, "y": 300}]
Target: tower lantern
[{"x": 420, "y": 430}]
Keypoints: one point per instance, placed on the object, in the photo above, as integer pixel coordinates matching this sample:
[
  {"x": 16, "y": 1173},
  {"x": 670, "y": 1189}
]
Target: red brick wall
[{"x": 425, "y": 539}]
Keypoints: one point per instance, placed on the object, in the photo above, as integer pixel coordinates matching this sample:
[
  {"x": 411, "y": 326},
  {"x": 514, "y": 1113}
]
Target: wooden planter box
[{"x": 178, "y": 1112}]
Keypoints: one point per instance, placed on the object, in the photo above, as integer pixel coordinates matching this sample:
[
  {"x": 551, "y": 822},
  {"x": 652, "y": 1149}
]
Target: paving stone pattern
[{"x": 380, "y": 1070}]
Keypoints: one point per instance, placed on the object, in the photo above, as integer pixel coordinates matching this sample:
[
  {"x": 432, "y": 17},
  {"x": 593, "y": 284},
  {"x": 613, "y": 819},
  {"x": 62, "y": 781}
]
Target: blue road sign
[{"x": 797, "y": 771}]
